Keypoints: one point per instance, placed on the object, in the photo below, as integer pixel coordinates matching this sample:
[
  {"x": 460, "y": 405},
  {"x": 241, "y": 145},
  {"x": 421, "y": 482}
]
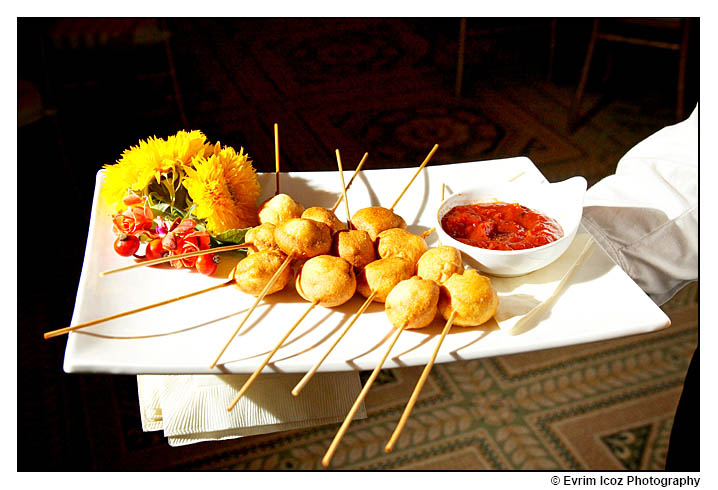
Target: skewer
[
  {"x": 65, "y": 330},
  {"x": 271, "y": 282},
  {"x": 256, "y": 373},
  {"x": 276, "y": 157},
  {"x": 344, "y": 189},
  {"x": 419, "y": 386},
  {"x": 356, "y": 171},
  {"x": 303, "y": 382},
  {"x": 423, "y": 164},
  {"x": 169, "y": 258},
  {"x": 350, "y": 416},
  {"x": 427, "y": 232}
]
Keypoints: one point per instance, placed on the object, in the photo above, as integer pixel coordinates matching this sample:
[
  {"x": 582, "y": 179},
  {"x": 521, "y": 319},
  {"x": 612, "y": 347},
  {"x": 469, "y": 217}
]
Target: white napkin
[
  {"x": 193, "y": 408},
  {"x": 522, "y": 298}
]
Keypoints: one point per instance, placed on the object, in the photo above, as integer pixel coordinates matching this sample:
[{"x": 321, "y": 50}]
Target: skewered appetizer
[
  {"x": 412, "y": 303},
  {"x": 326, "y": 216},
  {"x": 328, "y": 280},
  {"x": 471, "y": 296},
  {"x": 354, "y": 246},
  {"x": 397, "y": 242},
  {"x": 376, "y": 219},
  {"x": 278, "y": 208},
  {"x": 261, "y": 237},
  {"x": 439, "y": 264},
  {"x": 303, "y": 238},
  {"x": 252, "y": 274},
  {"x": 380, "y": 277}
]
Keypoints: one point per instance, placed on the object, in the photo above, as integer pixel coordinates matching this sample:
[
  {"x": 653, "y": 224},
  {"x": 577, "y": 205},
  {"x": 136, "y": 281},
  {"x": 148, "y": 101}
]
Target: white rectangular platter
[{"x": 599, "y": 301}]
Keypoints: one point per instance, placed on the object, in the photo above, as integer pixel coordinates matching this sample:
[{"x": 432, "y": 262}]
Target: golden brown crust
[
  {"x": 354, "y": 246},
  {"x": 326, "y": 279},
  {"x": 279, "y": 208},
  {"x": 397, "y": 242},
  {"x": 471, "y": 295},
  {"x": 439, "y": 264},
  {"x": 303, "y": 238},
  {"x": 325, "y": 216},
  {"x": 261, "y": 237},
  {"x": 376, "y": 219},
  {"x": 382, "y": 275},
  {"x": 253, "y": 272},
  {"x": 412, "y": 303}
]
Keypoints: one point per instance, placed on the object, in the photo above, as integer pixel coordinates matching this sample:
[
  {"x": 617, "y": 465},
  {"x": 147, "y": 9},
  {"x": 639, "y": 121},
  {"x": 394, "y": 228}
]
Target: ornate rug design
[{"x": 603, "y": 406}]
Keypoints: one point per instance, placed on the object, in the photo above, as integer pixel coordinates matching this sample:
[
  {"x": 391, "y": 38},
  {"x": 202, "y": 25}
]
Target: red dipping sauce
[{"x": 500, "y": 226}]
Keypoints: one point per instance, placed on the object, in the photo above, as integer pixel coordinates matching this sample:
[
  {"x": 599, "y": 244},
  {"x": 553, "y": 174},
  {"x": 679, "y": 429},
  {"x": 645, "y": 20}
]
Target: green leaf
[
  {"x": 231, "y": 236},
  {"x": 161, "y": 208}
]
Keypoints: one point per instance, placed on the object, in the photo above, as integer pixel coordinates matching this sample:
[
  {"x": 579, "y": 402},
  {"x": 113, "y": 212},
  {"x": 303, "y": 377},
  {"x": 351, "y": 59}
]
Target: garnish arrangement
[{"x": 178, "y": 195}]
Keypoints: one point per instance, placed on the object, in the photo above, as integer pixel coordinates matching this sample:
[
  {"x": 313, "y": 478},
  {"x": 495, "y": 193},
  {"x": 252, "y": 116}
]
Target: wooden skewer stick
[
  {"x": 350, "y": 416},
  {"x": 303, "y": 382},
  {"x": 169, "y": 258},
  {"x": 65, "y": 330},
  {"x": 271, "y": 282},
  {"x": 344, "y": 189},
  {"x": 427, "y": 232},
  {"x": 419, "y": 386},
  {"x": 356, "y": 171},
  {"x": 276, "y": 157},
  {"x": 426, "y": 160},
  {"x": 257, "y": 371}
]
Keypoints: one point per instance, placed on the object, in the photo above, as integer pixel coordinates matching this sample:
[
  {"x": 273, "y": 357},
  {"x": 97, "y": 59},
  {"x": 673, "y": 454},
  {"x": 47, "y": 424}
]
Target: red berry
[
  {"x": 126, "y": 245},
  {"x": 154, "y": 249},
  {"x": 207, "y": 263}
]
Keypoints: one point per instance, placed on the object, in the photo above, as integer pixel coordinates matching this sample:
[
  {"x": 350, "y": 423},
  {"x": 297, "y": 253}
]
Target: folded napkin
[
  {"x": 193, "y": 408},
  {"x": 522, "y": 298}
]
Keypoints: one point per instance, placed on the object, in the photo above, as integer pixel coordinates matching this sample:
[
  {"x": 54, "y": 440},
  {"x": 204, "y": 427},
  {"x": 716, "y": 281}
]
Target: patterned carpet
[
  {"x": 384, "y": 86},
  {"x": 602, "y": 406}
]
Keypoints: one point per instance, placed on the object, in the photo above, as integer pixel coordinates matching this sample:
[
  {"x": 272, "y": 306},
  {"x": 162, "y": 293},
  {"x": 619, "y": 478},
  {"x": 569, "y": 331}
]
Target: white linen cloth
[
  {"x": 645, "y": 216},
  {"x": 193, "y": 408}
]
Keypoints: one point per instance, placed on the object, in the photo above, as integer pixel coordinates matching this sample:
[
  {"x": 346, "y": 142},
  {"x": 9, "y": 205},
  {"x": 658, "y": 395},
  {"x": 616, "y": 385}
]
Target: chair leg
[
  {"x": 680, "y": 95},
  {"x": 576, "y": 105}
]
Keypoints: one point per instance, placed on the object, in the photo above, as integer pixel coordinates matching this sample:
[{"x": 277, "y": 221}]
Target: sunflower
[
  {"x": 224, "y": 188},
  {"x": 160, "y": 160}
]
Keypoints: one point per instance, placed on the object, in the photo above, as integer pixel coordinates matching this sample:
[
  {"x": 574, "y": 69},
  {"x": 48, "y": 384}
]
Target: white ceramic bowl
[{"x": 562, "y": 201}]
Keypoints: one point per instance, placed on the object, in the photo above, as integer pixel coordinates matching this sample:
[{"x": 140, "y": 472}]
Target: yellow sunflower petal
[
  {"x": 151, "y": 159},
  {"x": 225, "y": 189}
]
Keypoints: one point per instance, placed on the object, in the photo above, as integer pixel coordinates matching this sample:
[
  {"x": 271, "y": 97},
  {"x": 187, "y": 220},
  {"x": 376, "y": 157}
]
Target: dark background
[{"x": 90, "y": 88}]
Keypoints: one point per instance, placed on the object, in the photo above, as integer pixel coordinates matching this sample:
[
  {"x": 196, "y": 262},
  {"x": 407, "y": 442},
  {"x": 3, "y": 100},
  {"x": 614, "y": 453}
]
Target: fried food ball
[
  {"x": 326, "y": 216},
  {"x": 304, "y": 238},
  {"x": 327, "y": 279},
  {"x": 397, "y": 242},
  {"x": 376, "y": 219},
  {"x": 354, "y": 246},
  {"x": 382, "y": 275},
  {"x": 279, "y": 208},
  {"x": 261, "y": 237},
  {"x": 412, "y": 303},
  {"x": 471, "y": 295},
  {"x": 438, "y": 264},
  {"x": 252, "y": 273}
]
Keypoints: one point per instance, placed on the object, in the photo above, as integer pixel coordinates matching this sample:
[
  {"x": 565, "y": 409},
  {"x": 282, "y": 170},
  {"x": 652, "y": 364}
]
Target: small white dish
[{"x": 562, "y": 201}]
